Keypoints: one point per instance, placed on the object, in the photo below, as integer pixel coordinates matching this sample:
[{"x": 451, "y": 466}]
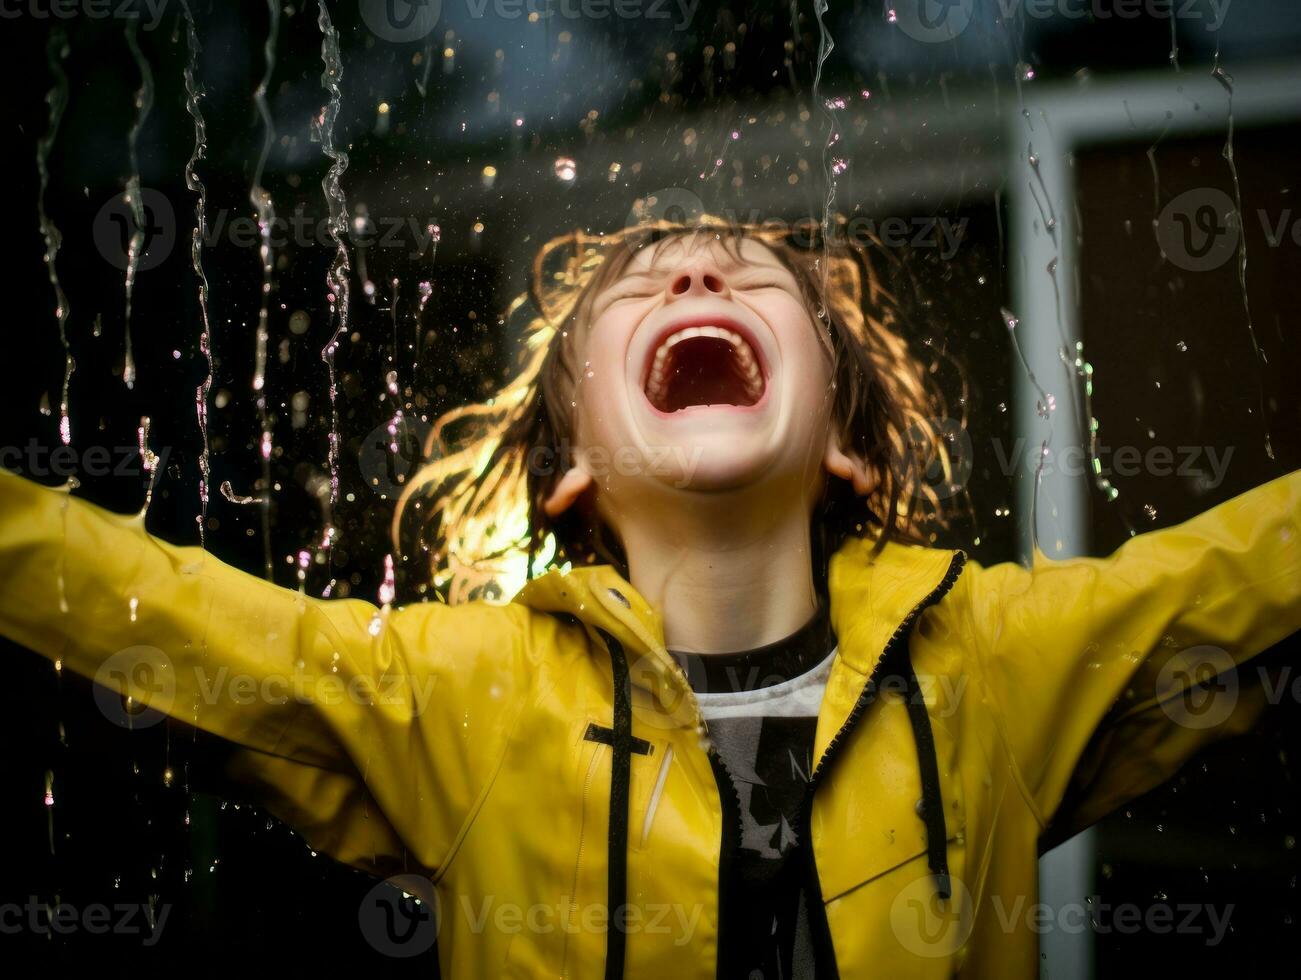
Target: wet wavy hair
[{"x": 473, "y": 515}]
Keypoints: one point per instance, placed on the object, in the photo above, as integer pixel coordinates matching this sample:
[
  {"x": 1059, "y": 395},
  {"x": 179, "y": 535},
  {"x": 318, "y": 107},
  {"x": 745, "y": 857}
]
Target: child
[{"x": 749, "y": 724}]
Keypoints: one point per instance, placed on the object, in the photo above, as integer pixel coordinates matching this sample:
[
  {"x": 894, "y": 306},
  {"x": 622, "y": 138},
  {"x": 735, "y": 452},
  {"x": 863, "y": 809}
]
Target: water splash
[
  {"x": 266, "y": 216},
  {"x": 229, "y": 493},
  {"x": 194, "y": 92},
  {"x": 337, "y": 277},
  {"x": 1226, "y": 81},
  {"x": 57, "y": 98},
  {"x": 144, "y": 102}
]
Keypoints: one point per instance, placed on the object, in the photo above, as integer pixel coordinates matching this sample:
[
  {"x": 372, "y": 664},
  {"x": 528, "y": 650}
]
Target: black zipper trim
[
  {"x": 730, "y": 804},
  {"x": 818, "y": 924}
]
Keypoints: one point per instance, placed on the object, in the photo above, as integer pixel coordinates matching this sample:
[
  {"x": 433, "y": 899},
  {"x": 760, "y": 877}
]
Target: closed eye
[
  {"x": 632, "y": 289},
  {"x": 764, "y": 284}
]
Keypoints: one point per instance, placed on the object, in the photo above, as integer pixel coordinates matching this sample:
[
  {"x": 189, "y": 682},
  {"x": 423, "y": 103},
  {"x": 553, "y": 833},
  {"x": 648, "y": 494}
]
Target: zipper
[
  {"x": 730, "y": 805},
  {"x": 818, "y": 925}
]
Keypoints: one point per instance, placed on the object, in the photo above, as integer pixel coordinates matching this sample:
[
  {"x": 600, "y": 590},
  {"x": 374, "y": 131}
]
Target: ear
[
  {"x": 567, "y": 490},
  {"x": 848, "y": 466}
]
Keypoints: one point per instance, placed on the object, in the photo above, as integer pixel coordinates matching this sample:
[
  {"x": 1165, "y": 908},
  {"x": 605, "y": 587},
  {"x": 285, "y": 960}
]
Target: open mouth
[{"x": 704, "y": 365}]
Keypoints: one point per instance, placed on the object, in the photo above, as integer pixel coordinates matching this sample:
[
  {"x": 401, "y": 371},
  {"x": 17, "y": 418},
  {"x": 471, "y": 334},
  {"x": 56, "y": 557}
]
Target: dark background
[{"x": 663, "y": 104}]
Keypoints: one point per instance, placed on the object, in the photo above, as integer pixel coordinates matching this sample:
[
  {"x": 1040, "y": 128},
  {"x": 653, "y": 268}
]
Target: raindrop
[{"x": 566, "y": 169}]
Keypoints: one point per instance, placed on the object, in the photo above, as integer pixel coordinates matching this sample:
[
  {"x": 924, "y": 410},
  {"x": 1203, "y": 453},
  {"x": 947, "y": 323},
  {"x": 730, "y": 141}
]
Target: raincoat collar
[{"x": 871, "y": 594}]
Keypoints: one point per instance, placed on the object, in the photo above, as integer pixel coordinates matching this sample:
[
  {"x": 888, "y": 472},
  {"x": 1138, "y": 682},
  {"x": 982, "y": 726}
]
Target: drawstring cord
[
  {"x": 620, "y": 771},
  {"x": 932, "y": 802}
]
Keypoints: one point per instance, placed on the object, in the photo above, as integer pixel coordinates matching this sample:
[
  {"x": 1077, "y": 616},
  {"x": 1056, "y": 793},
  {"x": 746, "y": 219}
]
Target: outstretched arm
[
  {"x": 1106, "y": 671},
  {"x": 373, "y": 732}
]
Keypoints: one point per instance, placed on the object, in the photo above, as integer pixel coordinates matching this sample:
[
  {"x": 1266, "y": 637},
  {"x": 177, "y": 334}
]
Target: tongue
[{"x": 704, "y": 371}]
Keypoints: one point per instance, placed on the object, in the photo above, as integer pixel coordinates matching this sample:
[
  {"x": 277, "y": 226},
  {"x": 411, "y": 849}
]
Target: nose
[{"x": 697, "y": 278}]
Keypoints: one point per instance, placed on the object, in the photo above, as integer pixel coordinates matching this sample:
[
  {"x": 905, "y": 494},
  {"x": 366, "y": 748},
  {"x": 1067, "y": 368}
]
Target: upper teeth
[{"x": 657, "y": 382}]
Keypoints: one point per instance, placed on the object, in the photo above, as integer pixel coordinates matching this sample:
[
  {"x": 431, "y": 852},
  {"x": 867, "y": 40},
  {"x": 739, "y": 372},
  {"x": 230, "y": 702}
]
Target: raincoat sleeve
[
  {"x": 1108, "y": 674},
  {"x": 373, "y": 732}
]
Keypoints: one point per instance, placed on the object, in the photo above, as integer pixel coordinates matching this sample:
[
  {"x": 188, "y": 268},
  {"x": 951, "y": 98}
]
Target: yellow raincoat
[{"x": 473, "y": 745}]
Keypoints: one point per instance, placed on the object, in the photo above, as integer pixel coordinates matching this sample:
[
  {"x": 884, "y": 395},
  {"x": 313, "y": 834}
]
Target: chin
[{"x": 716, "y": 459}]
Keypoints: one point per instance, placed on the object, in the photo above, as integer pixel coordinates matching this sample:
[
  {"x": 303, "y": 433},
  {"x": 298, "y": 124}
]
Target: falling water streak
[
  {"x": 1021, "y": 74},
  {"x": 387, "y": 593},
  {"x": 1226, "y": 80},
  {"x": 825, "y": 46},
  {"x": 1174, "y": 36},
  {"x": 266, "y": 216},
  {"x": 426, "y": 290},
  {"x": 149, "y": 463},
  {"x": 56, "y": 51},
  {"x": 1048, "y": 214},
  {"x": 144, "y": 100},
  {"x": 193, "y": 94},
  {"x": 1156, "y": 174},
  {"x": 336, "y": 278},
  {"x": 422, "y": 86},
  {"x": 57, "y": 98},
  {"x": 393, "y": 316},
  {"x": 1082, "y": 400},
  {"x": 1010, "y": 321}
]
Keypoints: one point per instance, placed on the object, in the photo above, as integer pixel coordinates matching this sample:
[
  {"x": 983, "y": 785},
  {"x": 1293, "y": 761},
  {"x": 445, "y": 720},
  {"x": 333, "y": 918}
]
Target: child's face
[{"x": 703, "y": 371}]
